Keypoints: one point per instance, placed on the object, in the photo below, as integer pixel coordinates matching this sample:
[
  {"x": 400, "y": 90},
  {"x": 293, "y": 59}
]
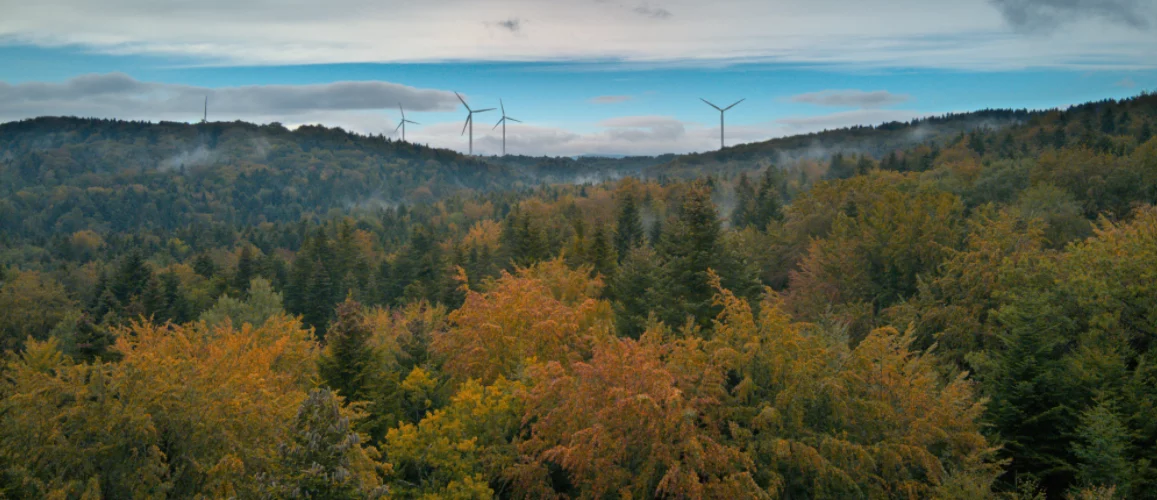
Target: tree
[
  {"x": 246, "y": 269},
  {"x": 620, "y": 424},
  {"x": 1101, "y": 449},
  {"x": 632, "y": 291},
  {"x": 263, "y": 303},
  {"x": 545, "y": 312},
  {"x": 186, "y": 412},
  {"x": 629, "y": 226},
  {"x": 602, "y": 256},
  {"x": 32, "y": 305},
  {"x": 323, "y": 456},
  {"x": 347, "y": 365},
  {"x": 463, "y": 450}
]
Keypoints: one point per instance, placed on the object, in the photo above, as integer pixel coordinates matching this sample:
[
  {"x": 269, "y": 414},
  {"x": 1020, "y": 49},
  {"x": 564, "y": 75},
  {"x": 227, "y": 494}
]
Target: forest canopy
[{"x": 231, "y": 310}]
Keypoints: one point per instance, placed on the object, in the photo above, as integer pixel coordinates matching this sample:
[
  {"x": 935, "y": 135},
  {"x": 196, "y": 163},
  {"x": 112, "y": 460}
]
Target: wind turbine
[
  {"x": 503, "y": 123},
  {"x": 470, "y": 120},
  {"x": 402, "y": 125},
  {"x": 721, "y": 111},
  {"x": 205, "y": 118}
]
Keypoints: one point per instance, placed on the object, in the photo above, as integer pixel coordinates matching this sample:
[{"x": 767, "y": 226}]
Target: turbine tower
[
  {"x": 503, "y": 123},
  {"x": 721, "y": 111},
  {"x": 470, "y": 120},
  {"x": 402, "y": 125}
]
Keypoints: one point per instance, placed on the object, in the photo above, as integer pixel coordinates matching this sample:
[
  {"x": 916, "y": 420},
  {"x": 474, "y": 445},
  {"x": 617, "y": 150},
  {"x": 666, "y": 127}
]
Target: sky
[{"x": 583, "y": 76}]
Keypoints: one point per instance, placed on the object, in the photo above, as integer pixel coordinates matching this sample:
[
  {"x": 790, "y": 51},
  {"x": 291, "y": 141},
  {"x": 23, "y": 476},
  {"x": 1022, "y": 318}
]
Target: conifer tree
[
  {"x": 347, "y": 364},
  {"x": 629, "y": 227},
  {"x": 602, "y": 256},
  {"x": 632, "y": 290},
  {"x": 246, "y": 270},
  {"x": 1101, "y": 449},
  {"x": 323, "y": 456}
]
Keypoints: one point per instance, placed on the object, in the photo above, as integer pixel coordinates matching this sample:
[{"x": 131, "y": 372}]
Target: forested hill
[
  {"x": 879, "y": 141},
  {"x": 970, "y": 317},
  {"x": 75, "y": 173},
  {"x": 60, "y": 175}
]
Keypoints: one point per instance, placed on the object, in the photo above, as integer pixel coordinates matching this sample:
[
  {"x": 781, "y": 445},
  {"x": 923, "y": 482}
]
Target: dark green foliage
[
  {"x": 632, "y": 290},
  {"x": 347, "y": 364},
  {"x": 629, "y": 229}
]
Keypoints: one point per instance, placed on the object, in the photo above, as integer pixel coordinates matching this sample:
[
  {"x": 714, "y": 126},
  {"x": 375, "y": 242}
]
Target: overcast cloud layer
[{"x": 969, "y": 34}]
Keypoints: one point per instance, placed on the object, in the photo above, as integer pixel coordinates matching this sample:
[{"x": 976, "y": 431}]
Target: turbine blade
[
  {"x": 411, "y": 122},
  {"x": 503, "y": 106},
  {"x": 398, "y": 128},
  {"x": 465, "y": 124},
  {"x": 482, "y": 110},
  {"x": 513, "y": 119},
  {"x": 733, "y": 105},
  {"x": 499, "y": 123},
  {"x": 463, "y": 101},
  {"x": 402, "y": 111},
  {"x": 709, "y": 103}
]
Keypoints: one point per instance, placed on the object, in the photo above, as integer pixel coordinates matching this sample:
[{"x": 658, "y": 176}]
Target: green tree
[
  {"x": 347, "y": 365},
  {"x": 629, "y": 227},
  {"x": 1101, "y": 448},
  {"x": 632, "y": 291},
  {"x": 261, "y": 304}
]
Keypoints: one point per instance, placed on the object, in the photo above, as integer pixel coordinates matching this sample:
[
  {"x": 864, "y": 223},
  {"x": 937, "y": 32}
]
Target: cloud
[
  {"x": 1127, "y": 83},
  {"x": 641, "y": 135},
  {"x": 610, "y": 99},
  {"x": 646, "y": 10},
  {"x": 1048, "y": 14},
  {"x": 973, "y": 34},
  {"x": 116, "y": 95},
  {"x": 513, "y": 25},
  {"x": 852, "y": 98}
]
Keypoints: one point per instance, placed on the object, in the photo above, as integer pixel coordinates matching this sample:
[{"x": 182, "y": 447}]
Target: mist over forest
[{"x": 960, "y": 306}]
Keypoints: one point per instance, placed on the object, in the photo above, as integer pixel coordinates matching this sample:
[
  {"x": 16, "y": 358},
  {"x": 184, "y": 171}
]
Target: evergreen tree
[
  {"x": 346, "y": 366},
  {"x": 1102, "y": 449},
  {"x": 318, "y": 305},
  {"x": 91, "y": 342},
  {"x": 322, "y": 456},
  {"x": 689, "y": 248},
  {"x": 177, "y": 306},
  {"x": 1145, "y": 133},
  {"x": 632, "y": 290},
  {"x": 629, "y": 227},
  {"x": 1108, "y": 121},
  {"x": 840, "y": 168},
  {"x": 203, "y": 266},
  {"x": 247, "y": 269},
  {"x": 601, "y": 255},
  {"x": 744, "y": 213}
]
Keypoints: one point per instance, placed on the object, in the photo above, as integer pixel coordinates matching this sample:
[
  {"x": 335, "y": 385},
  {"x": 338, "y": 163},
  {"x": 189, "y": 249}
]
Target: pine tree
[
  {"x": 629, "y": 227},
  {"x": 347, "y": 364},
  {"x": 1145, "y": 133}
]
